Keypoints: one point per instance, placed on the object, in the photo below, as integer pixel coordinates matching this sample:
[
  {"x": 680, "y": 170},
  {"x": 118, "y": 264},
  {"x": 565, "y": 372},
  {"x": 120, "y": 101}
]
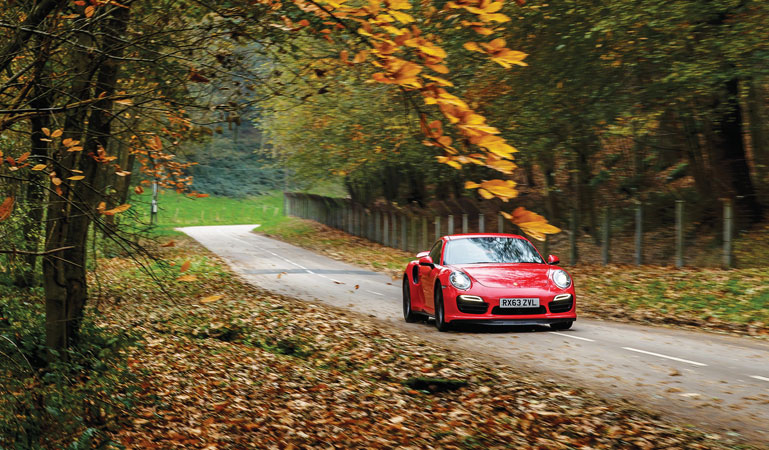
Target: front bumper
[
  {"x": 553, "y": 307},
  {"x": 512, "y": 322}
]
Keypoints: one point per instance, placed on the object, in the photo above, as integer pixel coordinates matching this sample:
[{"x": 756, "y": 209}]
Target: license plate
[{"x": 519, "y": 302}]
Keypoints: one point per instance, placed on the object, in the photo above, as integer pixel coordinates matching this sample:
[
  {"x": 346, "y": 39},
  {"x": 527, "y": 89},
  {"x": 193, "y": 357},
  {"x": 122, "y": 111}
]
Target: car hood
[{"x": 508, "y": 275}]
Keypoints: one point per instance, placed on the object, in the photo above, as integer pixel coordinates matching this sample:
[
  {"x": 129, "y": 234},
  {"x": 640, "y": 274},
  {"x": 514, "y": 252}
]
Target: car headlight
[
  {"x": 561, "y": 279},
  {"x": 460, "y": 280}
]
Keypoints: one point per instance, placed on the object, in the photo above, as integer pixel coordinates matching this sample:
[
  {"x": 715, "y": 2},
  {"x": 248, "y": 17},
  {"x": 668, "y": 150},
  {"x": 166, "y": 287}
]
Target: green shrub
[{"x": 72, "y": 403}]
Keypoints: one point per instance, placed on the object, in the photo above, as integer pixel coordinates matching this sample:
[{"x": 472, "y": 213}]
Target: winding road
[{"x": 709, "y": 381}]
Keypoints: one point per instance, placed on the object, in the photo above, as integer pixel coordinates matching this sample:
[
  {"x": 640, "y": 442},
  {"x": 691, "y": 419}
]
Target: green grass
[
  {"x": 177, "y": 210},
  {"x": 738, "y": 296}
]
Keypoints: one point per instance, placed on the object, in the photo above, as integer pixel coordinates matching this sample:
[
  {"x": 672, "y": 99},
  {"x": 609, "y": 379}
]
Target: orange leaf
[
  {"x": 22, "y": 158},
  {"x": 117, "y": 210},
  {"x": 187, "y": 278},
  {"x": 185, "y": 266},
  {"x": 169, "y": 244},
  {"x": 139, "y": 190},
  {"x": 57, "y": 133},
  {"x": 6, "y": 208},
  {"x": 89, "y": 11},
  {"x": 39, "y": 167}
]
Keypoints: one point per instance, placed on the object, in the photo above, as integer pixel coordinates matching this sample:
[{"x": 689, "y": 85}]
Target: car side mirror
[
  {"x": 426, "y": 261},
  {"x": 421, "y": 255},
  {"x": 553, "y": 260}
]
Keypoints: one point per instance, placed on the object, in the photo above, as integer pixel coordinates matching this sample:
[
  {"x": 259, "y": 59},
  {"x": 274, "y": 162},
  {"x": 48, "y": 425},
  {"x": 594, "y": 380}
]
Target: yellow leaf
[
  {"x": 439, "y": 80},
  {"x": 39, "y": 167},
  {"x": 398, "y": 4},
  {"x": 471, "y": 185},
  {"x": 76, "y": 178},
  {"x": 211, "y": 298},
  {"x": 401, "y": 16},
  {"x": 57, "y": 133},
  {"x": 485, "y": 194},
  {"x": 46, "y": 131},
  {"x": 500, "y": 18},
  {"x": 360, "y": 57},
  {"x": 187, "y": 278},
  {"x": 472, "y": 46},
  {"x": 502, "y": 189}
]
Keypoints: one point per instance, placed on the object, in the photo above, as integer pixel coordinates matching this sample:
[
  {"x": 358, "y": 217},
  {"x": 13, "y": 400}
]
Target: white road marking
[
  {"x": 757, "y": 377},
  {"x": 375, "y": 293},
  {"x": 665, "y": 356},
  {"x": 279, "y": 256},
  {"x": 571, "y": 336}
]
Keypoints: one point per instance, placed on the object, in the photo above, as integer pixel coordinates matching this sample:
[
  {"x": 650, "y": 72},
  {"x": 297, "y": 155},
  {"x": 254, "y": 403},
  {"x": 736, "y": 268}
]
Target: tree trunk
[
  {"x": 759, "y": 131},
  {"x": 70, "y": 213},
  {"x": 729, "y": 165},
  {"x": 35, "y": 194}
]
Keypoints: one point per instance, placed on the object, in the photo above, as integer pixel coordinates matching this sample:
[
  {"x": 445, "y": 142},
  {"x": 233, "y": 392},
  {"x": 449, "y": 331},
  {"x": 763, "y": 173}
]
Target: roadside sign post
[{"x": 154, "y": 206}]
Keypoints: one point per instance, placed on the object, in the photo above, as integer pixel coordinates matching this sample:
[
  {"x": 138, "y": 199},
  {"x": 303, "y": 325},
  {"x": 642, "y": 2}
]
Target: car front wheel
[
  {"x": 440, "y": 315},
  {"x": 408, "y": 314}
]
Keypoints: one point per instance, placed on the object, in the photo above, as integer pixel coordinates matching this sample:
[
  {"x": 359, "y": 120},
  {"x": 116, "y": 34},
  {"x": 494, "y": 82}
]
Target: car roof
[{"x": 452, "y": 237}]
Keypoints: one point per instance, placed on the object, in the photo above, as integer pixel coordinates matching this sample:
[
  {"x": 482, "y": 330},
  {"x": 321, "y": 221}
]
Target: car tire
[
  {"x": 561, "y": 325},
  {"x": 440, "y": 314},
  {"x": 408, "y": 314}
]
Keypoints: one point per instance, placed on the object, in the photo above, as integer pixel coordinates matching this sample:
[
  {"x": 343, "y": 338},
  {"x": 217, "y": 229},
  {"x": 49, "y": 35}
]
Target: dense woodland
[{"x": 621, "y": 103}]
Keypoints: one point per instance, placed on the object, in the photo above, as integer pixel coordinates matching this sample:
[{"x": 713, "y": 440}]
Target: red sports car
[{"x": 488, "y": 278}]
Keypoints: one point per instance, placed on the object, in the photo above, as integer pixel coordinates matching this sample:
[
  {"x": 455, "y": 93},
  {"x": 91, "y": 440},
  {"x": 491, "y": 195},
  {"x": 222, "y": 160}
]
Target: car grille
[
  {"x": 472, "y": 307},
  {"x": 561, "y": 306},
  {"x": 518, "y": 311}
]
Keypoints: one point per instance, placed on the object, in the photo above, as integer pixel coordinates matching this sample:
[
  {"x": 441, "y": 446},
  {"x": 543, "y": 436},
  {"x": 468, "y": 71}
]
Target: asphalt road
[{"x": 714, "y": 382}]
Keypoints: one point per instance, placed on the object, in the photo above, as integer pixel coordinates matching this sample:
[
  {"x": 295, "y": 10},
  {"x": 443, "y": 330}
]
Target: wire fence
[{"x": 636, "y": 235}]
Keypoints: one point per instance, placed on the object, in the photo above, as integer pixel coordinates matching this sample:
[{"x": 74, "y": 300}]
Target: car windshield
[{"x": 479, "y": 250}]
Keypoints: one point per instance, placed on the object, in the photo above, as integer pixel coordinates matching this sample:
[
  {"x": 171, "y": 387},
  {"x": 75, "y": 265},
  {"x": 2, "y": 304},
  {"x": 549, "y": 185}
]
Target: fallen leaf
[{"x": 211, "y": 298}]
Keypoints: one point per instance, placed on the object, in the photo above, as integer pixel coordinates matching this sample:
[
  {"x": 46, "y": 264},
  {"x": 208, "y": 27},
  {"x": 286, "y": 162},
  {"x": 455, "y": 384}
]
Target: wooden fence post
[
  {"x": 404, "y": 233},
  {"x": 394, "y": 235},
  {"x": 679, "y": 233},
  {"x": 464, "y": 223},
  {"x": 424, "y": 235},
  {"x": 437, "y": 227},
  {"x": 378, "y": 227},
  {"x": 451, "y": 224},
  {"x": 481, "y": 223},
  {"x": 386, "y": 230},
  {"x": 639, "y": 252},
  {"x": 728, "y": 233},
  {"x": 500, "y": 223},
  {"x": 414, "y": 235},
  {"x": 606, "y": 238}
]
